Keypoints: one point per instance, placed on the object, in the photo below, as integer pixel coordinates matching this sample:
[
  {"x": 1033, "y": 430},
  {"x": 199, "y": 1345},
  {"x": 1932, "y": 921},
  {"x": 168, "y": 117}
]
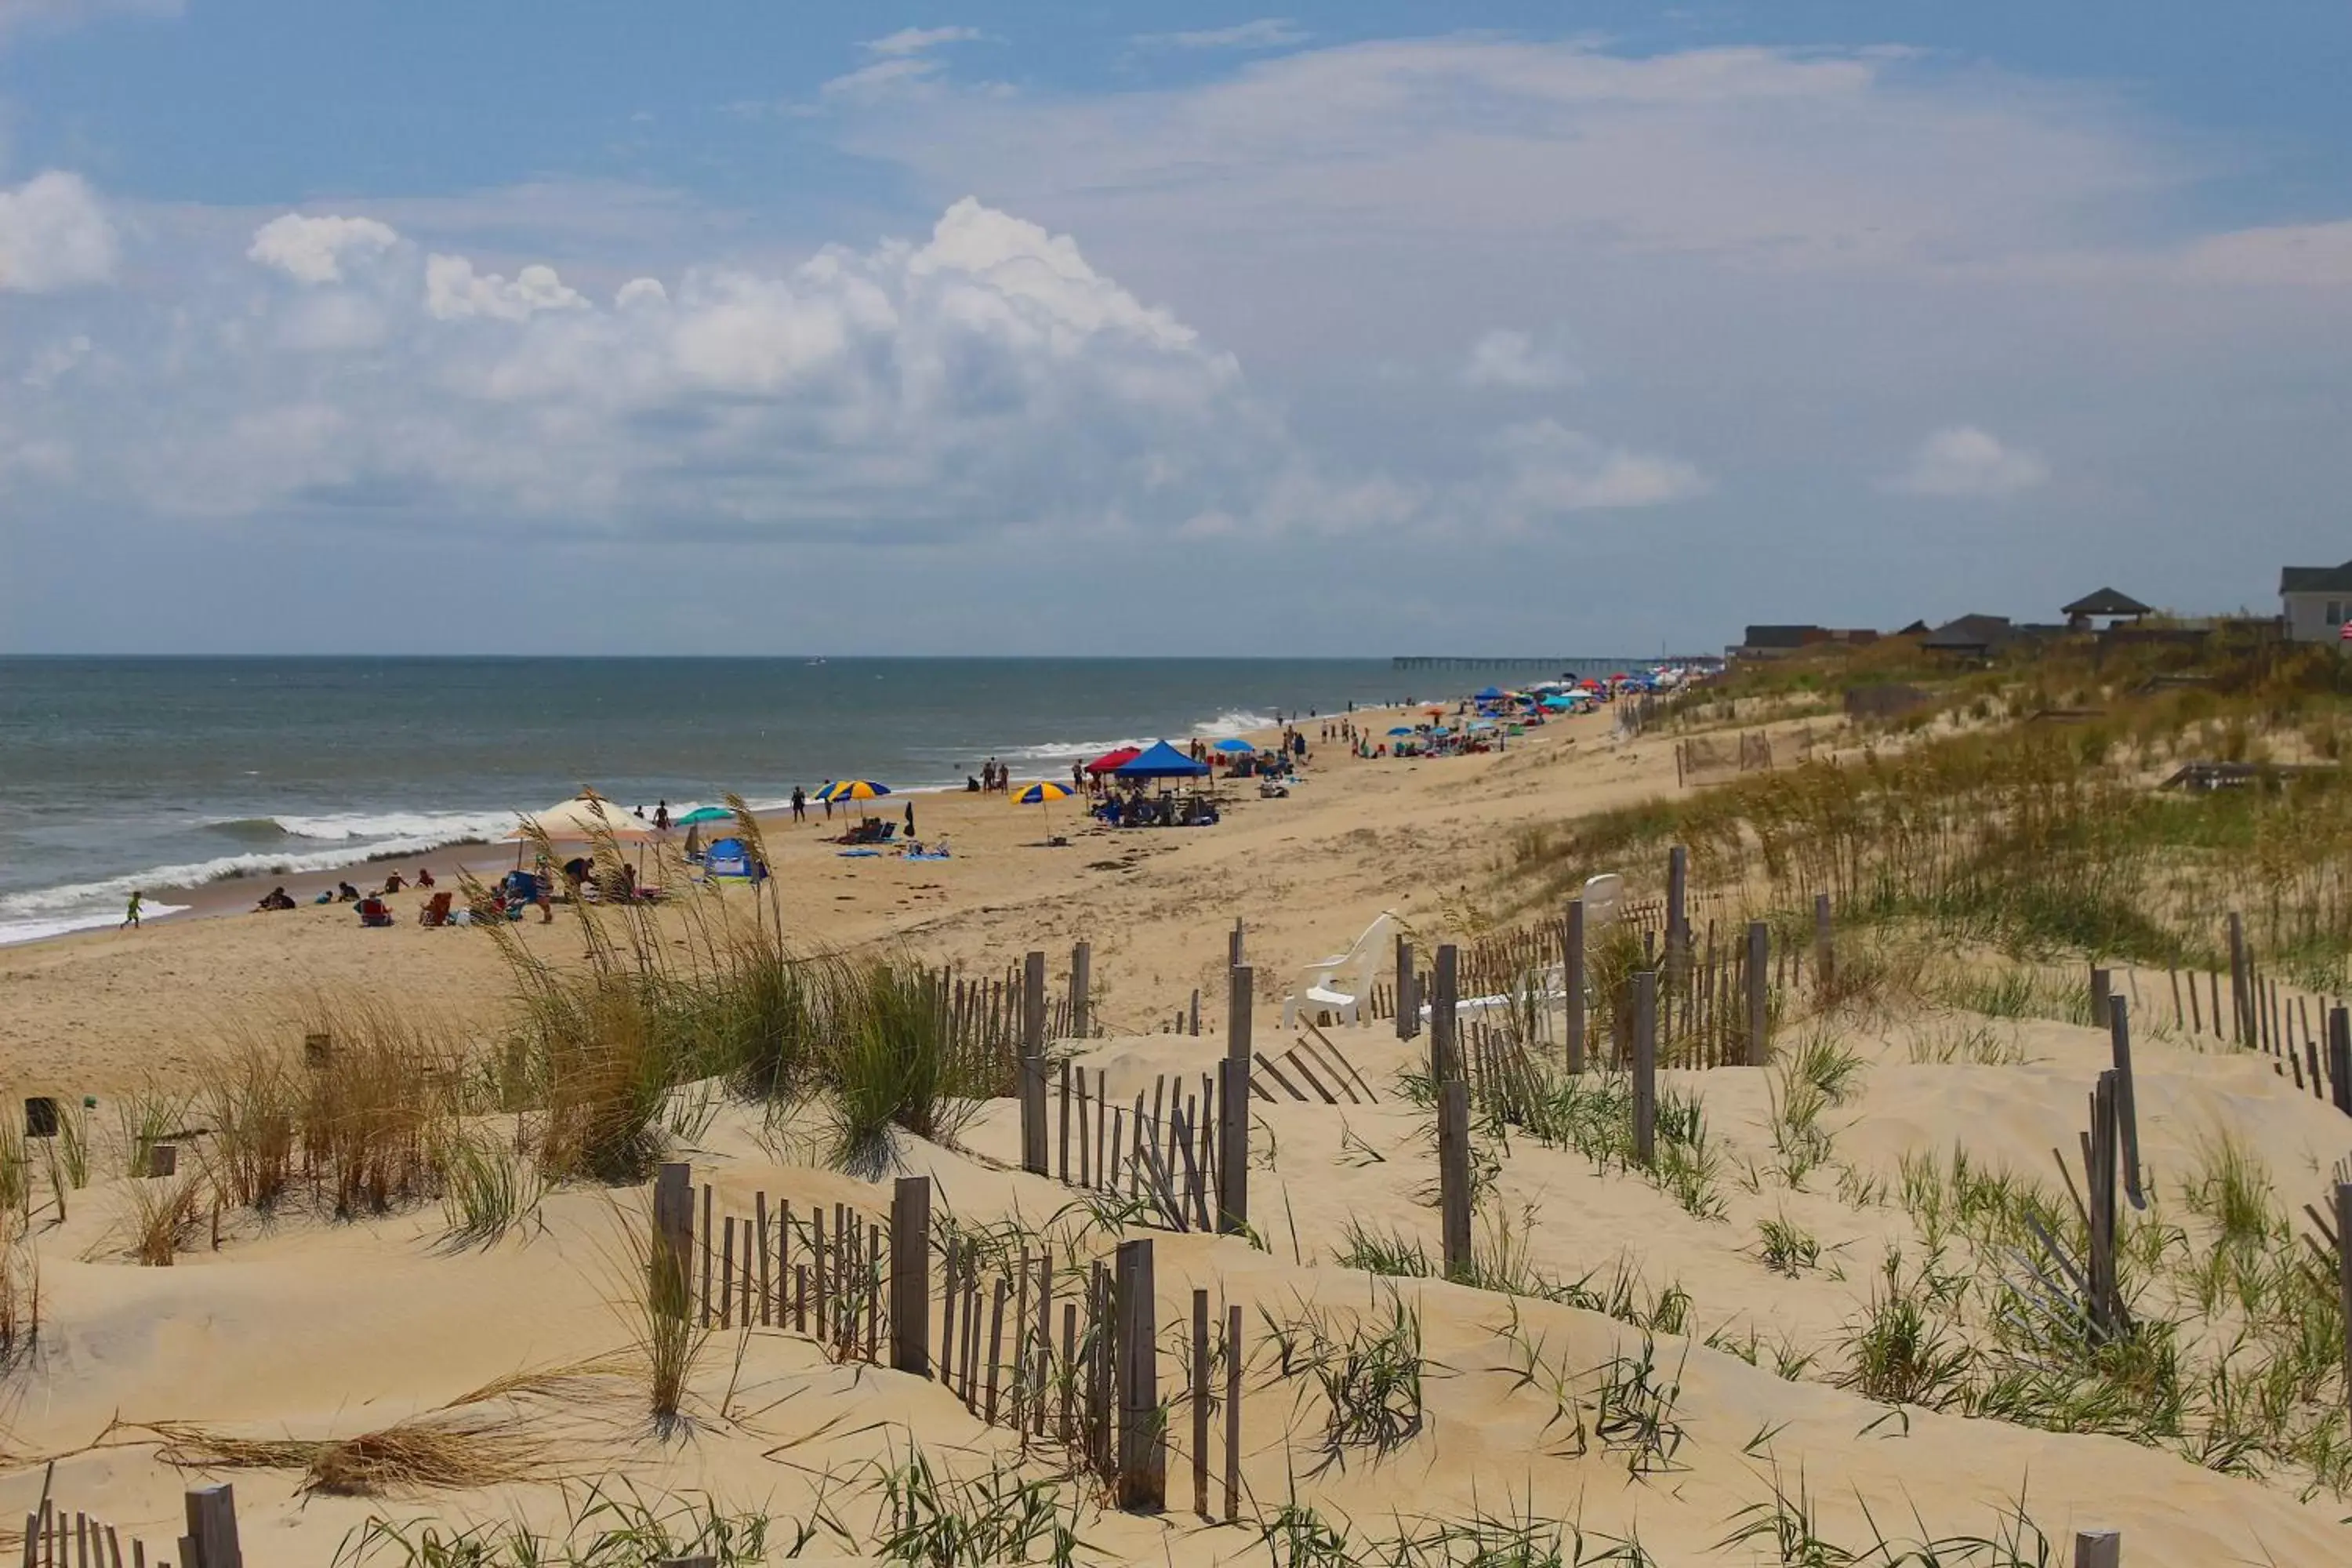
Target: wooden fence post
[
  {"x": 672, "y": 1253},
  {"x": 1760, "y": 1002},
  {"x": 2242, "y": 1000},
  {"x": 1445, "y": 1048},
  {"x": 1142, "y": 1484},
  {"x": 1233, "y": 1413},
  {"x": 2102, "y": 987},
  {"x": 2099, "y": 1549},
  {"x": 910, "y": 1275},
  {"x": 2344, "y": 1278},
  {"x": 1408, "y": 1007},
  {"x": 2099, "y": 1194},
  {"x": 1572, "y": 974},
  {"x": 1645, "y": 1067},
  {"x": 211, "y": 1540},
  {"x": 1677, "y": 917},
  {"x": 1824, "y": 946},
  {"x": 1232, "y": 1141},
  {"x": 1200, "y": 1402},
  {"x": 1454, "y": 1174},
  {"x": 1033, "y": 1064},
  {"x": 1082, "y": 966},
  {"x": 2340, "y": 1059},
  {"x": 2126, "y": 1107},
  {"x": 1233, "y": 945}
]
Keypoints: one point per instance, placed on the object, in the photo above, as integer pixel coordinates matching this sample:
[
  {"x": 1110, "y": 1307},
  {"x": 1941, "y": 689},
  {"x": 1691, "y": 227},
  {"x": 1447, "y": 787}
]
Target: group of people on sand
[
  {"x": 995, "y": 778},
  {"x": 277, "y": 898}
]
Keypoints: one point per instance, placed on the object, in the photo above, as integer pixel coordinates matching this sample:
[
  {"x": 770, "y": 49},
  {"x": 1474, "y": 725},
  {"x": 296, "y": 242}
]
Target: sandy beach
[{"x": 306, "y": 1326}]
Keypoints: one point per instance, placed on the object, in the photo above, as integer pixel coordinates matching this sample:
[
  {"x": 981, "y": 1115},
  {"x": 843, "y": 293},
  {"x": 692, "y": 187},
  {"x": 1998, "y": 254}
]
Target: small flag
[{"x": 2343, "y": 633}]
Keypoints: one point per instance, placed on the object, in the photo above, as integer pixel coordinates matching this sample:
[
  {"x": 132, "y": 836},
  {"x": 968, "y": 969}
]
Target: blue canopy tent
[
  {"x": 1487, "y": 694},
  {"x": 730, "y": 857},
  {"x": 1160, "y": 761}
]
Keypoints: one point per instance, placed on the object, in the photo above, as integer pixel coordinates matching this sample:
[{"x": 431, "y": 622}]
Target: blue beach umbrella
[
  {"x": 1235, "y": 745},
  {"x": 1403, "y": 730}
]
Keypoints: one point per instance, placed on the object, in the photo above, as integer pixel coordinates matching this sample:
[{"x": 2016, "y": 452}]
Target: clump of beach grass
[
  {"x": 163, "y": 1216},
  {"x": 656, "y": 1303},
  {"x": 488, "y": 1186},
  {"x": 602, "y": 1530},
  {"x": 446, "y": 1450}
]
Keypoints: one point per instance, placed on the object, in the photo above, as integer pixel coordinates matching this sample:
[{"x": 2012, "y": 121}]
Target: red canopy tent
[{"x": 1115, "y": 759}]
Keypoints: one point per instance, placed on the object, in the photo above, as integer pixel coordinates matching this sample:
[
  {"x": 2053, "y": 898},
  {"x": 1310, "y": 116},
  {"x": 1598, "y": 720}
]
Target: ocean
[{"x": 118, "y": 773}]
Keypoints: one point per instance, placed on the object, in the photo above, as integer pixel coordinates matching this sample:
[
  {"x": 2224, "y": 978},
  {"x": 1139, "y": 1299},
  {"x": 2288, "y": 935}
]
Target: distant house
[
  {"x": 1775, "y": 641},
  {"x": 2315, "y": 601},
  {"x": 1971, "y": 636},
  {"x": 2106, "y": 605}
]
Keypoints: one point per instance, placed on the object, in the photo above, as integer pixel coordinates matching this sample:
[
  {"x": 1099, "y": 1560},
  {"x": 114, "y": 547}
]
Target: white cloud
[
  {"x": 904, "y": 65},
  {"x": 915, "y": 40},
  {"x": 57, "y": 360},
  {"x": 1548, "y": 470},
  {"x": 313, "y": 250},
  {"x": 892, "y": 75},
  {"x": 1503, "y": 358},
  {"x": 1265, "y": 32},
  {"x": 54, "y": 234},
  {"x": 1766, "y": 158},
  {"x": 2296, "y": 255},
  {"x": 640, "y": 293},
  {"x": 454, "y": 291},
  {"x": 1961, "y": 461},
  {"x": 984, "y": 376},
  {"x": 62, "y": 14}
]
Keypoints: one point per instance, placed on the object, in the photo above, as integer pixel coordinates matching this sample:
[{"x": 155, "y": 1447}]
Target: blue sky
[{"x": 743, "y": 328}]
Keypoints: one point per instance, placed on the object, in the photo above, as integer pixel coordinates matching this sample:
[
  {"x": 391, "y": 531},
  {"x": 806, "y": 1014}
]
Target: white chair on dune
[
  {"x": 1340, "y": 985},
  {"x": 1602, "y": 896}
]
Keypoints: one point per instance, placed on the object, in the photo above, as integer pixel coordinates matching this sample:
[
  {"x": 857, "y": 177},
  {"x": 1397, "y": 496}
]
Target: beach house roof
[
  {"x": 1773, "y": 636},
  {"x": 2106, "y": 601},
  {"x": 1970, "y": 634},
  {"x": 2316, "y": 579}
]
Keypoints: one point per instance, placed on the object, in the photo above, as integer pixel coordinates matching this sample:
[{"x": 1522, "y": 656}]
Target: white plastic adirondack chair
[{"x": 1341, "y": 984}]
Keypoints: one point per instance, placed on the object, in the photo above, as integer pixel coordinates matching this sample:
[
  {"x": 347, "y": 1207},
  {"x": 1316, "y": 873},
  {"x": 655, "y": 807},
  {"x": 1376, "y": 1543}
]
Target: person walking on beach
[
  {"x": 130, "y": 916},
  {"x": 825, "y": 794},
  {"x": 661, "y": 817},
  {"x": 910, "y": 819},
  {"x": 800, "y": 804}
]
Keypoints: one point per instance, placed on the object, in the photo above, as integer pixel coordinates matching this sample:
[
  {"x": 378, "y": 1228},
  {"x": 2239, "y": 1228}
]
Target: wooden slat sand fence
[
  {"x": 59, "y": 1537},
  {"x": 1062, "y": 1350}
]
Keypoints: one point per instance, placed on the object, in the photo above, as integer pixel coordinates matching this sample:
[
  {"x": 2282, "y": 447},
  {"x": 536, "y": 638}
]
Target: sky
[{"x": 985, "y": 328}]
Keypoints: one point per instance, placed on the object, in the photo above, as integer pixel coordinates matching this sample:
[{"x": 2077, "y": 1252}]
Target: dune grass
[
  {"x": 451, "y": 1450},
  {"x": 603, "y": 1528}
]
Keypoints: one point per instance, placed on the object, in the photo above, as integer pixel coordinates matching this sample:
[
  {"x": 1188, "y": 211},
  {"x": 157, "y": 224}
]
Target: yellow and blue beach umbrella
[
  {"x": 853, "y": 789},
  {"x": 1045, "y": 792}
]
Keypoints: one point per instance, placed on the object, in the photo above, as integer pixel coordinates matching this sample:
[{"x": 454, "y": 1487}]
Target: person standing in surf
[{"x": 130, "y": 915}]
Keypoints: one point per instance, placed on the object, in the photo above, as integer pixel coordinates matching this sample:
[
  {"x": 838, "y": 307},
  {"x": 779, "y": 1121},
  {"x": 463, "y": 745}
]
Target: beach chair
[
  {"x": 436, "y": 911},
  {"x": 373, "y": 912},
  {"x": 1602, "y": 895},
  {"x": 1340, "y": 984}
]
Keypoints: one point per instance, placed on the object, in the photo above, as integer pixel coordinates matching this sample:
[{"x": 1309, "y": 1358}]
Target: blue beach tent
[
  {"x": 1160, "y": 761},
  {"x": 727, "y": 858}
]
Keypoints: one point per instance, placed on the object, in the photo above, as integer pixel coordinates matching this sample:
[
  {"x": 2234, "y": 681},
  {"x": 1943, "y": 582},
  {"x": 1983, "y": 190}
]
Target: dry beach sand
[{"x": 312, "y": 1329}]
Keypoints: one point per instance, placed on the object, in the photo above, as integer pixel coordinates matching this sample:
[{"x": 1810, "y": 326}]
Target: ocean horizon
[{"x": 125, "y": 772}]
